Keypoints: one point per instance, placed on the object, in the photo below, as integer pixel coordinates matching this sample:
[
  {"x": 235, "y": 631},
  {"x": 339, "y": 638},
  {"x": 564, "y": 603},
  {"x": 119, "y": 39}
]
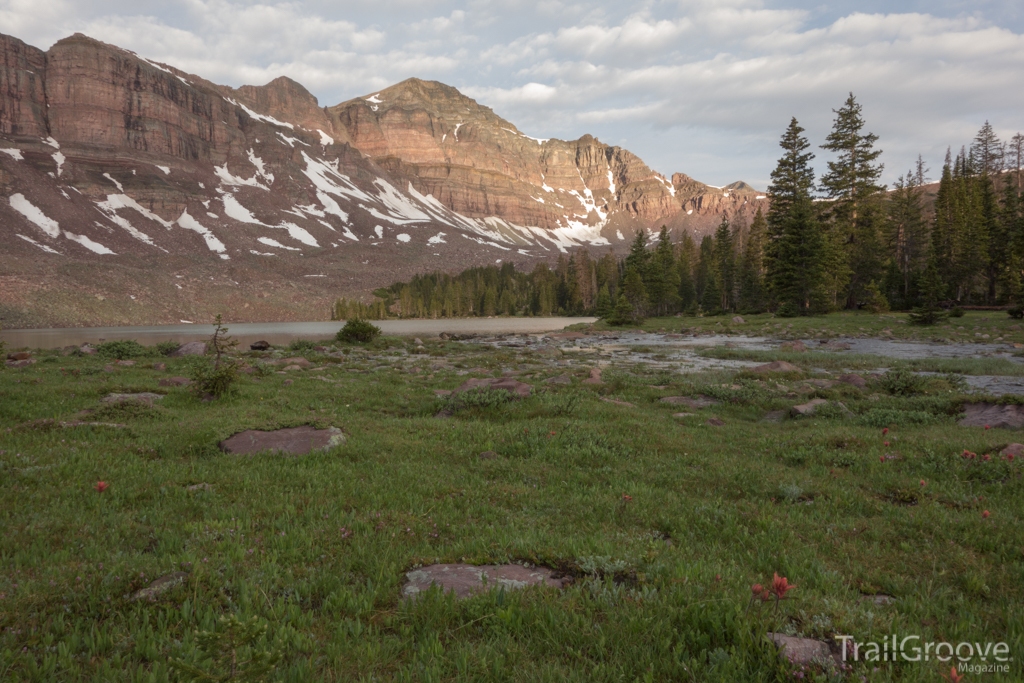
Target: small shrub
[
  {"x": 166, "y": 348},
  {"x": 213, "y": 376},
  {"x": 123, "y": 349},
  {"x": 358, "y": 331},
  {"x": 890, "y": 417},
  {"x": 956, "y": 312},
  {"x": 302, "y": 345},
  {"x": 478, "y": 398},
  {"x": 236, "y": 651},
  {"x": 900, "y": 381}
]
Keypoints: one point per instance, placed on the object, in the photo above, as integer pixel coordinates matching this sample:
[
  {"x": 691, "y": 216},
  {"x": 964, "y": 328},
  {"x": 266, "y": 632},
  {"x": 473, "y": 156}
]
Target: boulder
[
  {"x": 19, "y": 355},
  {"x": 836, "y": 346},
  {"x": 801, "y": 651},
  {"x": 854, "y": 380},
  {"x": 260, "y": 345},
  {"x": 296, "y": 360},
  {"x": 775, "y": 366},
  {"x": 738, "y": 319},
  {"x": 466, "y": 580},
  {"x": 87, "y": 350},
  {"x": 124, "y": 363},
  {"x": 1014, "y": 449},
  {"x": 513, "y": 386},
  {"x": 291, "y": 441},
  {"x": 195, "y": 348},
  {"x": 292, "y": 368},
  {"x": 797, "y": 346},
  {"x": 160, "y": 367},
  {"x": 595, "y": 377},
  {"x": 992, "y": 415},
  {"x": 175, "y": 382},
  {"x": 560, "y": 379},
  {"x": 807, "y": 409},
  {"x": 160, "y": 586},
  {"x": 20, "y": 363},
  {"x": 141, "y": 397}
]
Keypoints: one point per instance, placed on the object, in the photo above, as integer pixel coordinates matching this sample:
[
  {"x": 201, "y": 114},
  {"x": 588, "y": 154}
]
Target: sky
[{"x": 693, "y": 86}]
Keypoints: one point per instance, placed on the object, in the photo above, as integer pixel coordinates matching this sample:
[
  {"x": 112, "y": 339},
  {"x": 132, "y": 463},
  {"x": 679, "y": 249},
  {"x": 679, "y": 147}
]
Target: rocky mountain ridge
[{"x": 133, "y": 192}]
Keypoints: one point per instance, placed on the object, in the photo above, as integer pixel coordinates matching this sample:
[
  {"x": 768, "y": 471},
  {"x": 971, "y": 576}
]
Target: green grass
[
  {"x": 841, "y": 324},
  {"x": 316, "y": 547}
]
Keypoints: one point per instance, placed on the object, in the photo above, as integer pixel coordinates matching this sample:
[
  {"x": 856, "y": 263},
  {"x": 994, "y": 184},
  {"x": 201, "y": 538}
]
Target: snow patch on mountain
[
  {"x": 94, "y": 247},
  {"x": 212, "y": 243},
  {"x": 45, "y": 248},
  {"x": 34, "y": 215}
]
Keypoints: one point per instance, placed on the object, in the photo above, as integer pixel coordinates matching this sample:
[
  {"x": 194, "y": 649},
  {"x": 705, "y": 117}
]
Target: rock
[
  {"x": 617, "y": 402},
  {"x": 19, "y": 363},
  {"x": 142, "y": 397},
  {"x": 513, "y": 386},
  {"x": 691, "y": 403},
  {"x": 199, "y": 487},
  {"x": 566, "y": 335},
  {"x": 160, "y": 367},
  {"x": 288, "y": 382},
  {"x": 595, "y": 377},
  {"x": 836, "y": 346},
  {"x": 738, "y": 319},
  {"x": 488, "y": 455},
  {"x": 715, "y": 422},
  {"x": 175, "y": 382},
  {"x": 160, "y": 586},
  {"x": 880, "y": 599},
  {"x": 807, "y": 409},
  {"x": 774, "y": 416},
  {"x": 775, "y": 366},
  {"x": 195, "y": 348},
  {"x": 441, "y": 393},
  {"x": 821, "y": 383},
  {"x": 291, "y": 441},
  {"x": 682, "y": 415},
  {"x": 1014, "y": 449},
  {"x": 260, "y": 345},
  {"x": 124, "y": 363},
  {"x": 417, "y": 341},
  {"x": 796, "y": 346},
  {"x": 992, "y": 415},
  {"x": 800, "y": 651},
  {"x": 87, "y": 350},
  {"x": 19, "y": 355},
  {"x": 296, "y": 360},
  {"x": 854, "y": 380},
  {"x": 466, "y": 580},
  {"x": 108, "y": 368},
  {"x": 560, "y": 379},
  {"x": 292, "y": 368}
]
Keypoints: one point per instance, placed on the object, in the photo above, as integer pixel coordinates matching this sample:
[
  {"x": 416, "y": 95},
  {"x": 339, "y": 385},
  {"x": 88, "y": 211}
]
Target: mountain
[{"x": 133, "y": 192}]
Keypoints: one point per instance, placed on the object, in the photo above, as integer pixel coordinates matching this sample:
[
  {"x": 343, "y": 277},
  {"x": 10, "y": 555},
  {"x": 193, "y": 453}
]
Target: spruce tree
[
  {"x": 725, "y": 265},
  {"x": 684, "y": 266},
  {"x": 635, "y": 292},
  {"x": 907, "y": 231},
  {"x": 855, "y": 211},
  {"x": 751, "y": 277},
  {"x": 795, "y": 245}
]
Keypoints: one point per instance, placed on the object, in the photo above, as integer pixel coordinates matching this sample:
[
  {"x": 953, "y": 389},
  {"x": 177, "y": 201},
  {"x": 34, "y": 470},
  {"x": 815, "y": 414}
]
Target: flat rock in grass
[
  {"x": 196, "y": 348},
  {"x": 595, "y": 377},
  {"x": 291, "y": 441},
  {"x": 513, "y": 386},
  {"x": 1014, "y": 449},
  {"x": 560, "y": 379},
  {"x": 821, "y": 383},
  {"x": 775, "y": 366},
  {"x": 992, "y": 415},
  {"x": 738, "y": 319},
  {"x": 715, "y": 422},
  {"x": 616, "y": 402},
  {"x": 797, "y": 346},
  {"x": 880, "y": 599},
  {"x": 691, "y": 403},
  {"x": 807, "y": 409},
  {"x": 853, "y": 379},
  {"x": 142, "y": 397},
  {"x": 20, "y": 363},
  {"x": 296, "y": 360},
  {"x": 175, "y": 382},
  {"x": 160, "y": 586},
  {"x": 441, "y": 393},
  {"x": 19, "y": 355},
  {"x": 292, "y": 368},
  {"x": 801, "y": 651},
  {"x": 682, "y": 415},
  {"x": 159, "y": 366},
  {"x": 466, "y": 580}
]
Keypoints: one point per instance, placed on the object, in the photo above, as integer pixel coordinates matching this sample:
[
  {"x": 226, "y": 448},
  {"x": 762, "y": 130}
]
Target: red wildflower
[
  {"x": 781, "y": 586},
  {"x": 953, "y": 676},
  {"x": 756, "y": 589},
  {"x": 988, "y": 426},
  {"x": 626, "y": 498},
  {"x": 923, "y": 483},
  {"x": 881, "y": 458},
  {"x": 101, "y": 486},
  {"x": 1009, "y": 457},
  {"x": 986, "y": 457},
  {"x": 886, "y": 444},
  {"x": 985, "y": 514},
  {"x": 885, "y": 430}
]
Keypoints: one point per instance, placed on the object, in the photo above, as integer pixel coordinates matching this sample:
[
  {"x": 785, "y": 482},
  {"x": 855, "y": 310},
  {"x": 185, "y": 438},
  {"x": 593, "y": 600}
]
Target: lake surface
[{"x": 277, "y": 333}]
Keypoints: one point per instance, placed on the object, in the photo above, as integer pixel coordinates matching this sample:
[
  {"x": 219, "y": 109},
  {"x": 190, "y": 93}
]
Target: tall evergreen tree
[
  {"x": 725, "y": 265},
  {"x": 907, "y": 231},
  {"x": 751, "y": 278},
  {"x": 855, "y": 211},
  {"x": 795, "y": 244},
  {"x": 663, "y": 277},
  {"x": 684, "y": 266}
]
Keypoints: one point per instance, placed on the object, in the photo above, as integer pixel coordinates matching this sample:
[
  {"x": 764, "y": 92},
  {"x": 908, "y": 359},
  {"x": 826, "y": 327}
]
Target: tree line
[{"x": 846, "y": 241}]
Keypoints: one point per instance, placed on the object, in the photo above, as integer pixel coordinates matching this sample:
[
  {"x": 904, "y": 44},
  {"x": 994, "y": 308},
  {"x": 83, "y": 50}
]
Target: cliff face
[{"x": 127, "y": 181}]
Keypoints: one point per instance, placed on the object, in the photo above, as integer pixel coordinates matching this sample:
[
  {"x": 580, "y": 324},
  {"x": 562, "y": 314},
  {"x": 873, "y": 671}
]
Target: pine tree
[
  {"x": 907, "y": 231},
  {"x": 725, "y": 265},
  {"x": 663, "y": 277},
  {"x": 684, "y": 266},
  {"x": 929, "y": 312},
  {"x": 751, "y": 278},
  {"x": 852, "y": 184},
  {"x": 795, "y": 245},
  {"x": 635, "y": 292}
]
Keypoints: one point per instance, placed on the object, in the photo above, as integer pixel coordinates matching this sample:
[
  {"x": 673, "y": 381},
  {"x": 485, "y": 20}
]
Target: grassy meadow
[{"x": 663, "y": 523}]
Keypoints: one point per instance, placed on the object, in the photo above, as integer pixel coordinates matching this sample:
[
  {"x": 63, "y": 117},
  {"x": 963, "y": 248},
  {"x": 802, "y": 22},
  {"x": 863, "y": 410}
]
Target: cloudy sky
[{"x": 696, "y": 86}]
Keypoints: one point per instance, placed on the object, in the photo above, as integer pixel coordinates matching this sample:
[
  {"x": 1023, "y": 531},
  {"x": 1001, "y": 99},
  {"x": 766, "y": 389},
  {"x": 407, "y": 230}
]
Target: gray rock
[
  {"x": 854, "y": 380},
  {"x": 692, "y": 403},
  {"x": 802, "y": 651},
  {"x": 260, "y": 345},
  {"x": 513, "y": 386},
  {"x": 142, "y": 397},
  {"x": 775, "y": 366},
  {"x": 807, "y": 409},
  {"x": 195, "y": 348},
  {"x": 595, "y": 377},
  {"x": 291, "y": 441},
  {"x": 1014, "y": 449},
  {"x": 175, "y": 382},
  {"x": 560, "y": 379},
  {"x": 466, "y": 580},
  {"x": 738, "y": 319},
  {"x": 797, "y": 345},
  {"x": 160, "y": 586},
  {"x": 992, "y": 415}
]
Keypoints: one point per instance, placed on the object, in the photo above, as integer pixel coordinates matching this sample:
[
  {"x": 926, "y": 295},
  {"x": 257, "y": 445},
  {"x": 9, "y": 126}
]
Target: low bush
[
  {"x": 358, "y": 331},
  {"x": 123, "y": 349}
]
